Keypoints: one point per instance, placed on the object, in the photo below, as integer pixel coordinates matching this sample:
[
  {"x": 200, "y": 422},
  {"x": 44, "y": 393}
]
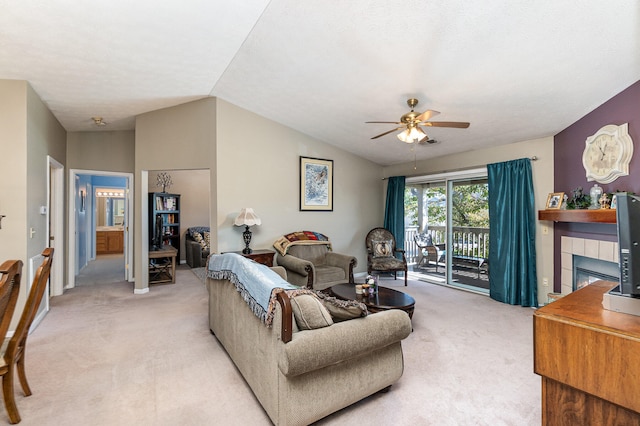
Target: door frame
[
  {"x": 449, "y": 178},
  {"x": 73, "y": 216},
  {"x": 55, "y": 225}
]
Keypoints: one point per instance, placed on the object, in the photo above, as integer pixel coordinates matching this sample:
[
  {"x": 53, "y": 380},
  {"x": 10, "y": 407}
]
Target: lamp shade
[
  {"x": 247, "y": 217},
  {"x": 412, "y": 134}
]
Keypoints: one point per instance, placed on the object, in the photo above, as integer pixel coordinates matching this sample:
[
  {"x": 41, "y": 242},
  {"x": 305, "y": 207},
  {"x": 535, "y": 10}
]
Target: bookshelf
[{"x": 168, "y": 207}]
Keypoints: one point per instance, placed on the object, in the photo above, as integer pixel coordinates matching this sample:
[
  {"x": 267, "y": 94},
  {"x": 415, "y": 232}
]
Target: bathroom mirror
[{"x": 109, "y": 211}]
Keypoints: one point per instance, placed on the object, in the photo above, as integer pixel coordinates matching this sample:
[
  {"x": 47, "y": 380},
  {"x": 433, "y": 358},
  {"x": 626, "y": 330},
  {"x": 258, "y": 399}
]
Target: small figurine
[{"x": 605, "y": 203}]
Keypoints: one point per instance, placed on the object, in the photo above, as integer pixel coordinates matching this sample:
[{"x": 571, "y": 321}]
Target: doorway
[{"x": 83, "y": 185}]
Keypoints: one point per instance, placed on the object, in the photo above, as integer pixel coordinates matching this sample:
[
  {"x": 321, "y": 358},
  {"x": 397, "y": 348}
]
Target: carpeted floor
[
  {"x": 104, "y": 356},
  {"x": 200, "y": 273}
]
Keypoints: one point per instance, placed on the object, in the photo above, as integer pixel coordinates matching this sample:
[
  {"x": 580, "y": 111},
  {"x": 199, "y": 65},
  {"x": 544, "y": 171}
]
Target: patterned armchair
[{"x": 381, "y": 253}]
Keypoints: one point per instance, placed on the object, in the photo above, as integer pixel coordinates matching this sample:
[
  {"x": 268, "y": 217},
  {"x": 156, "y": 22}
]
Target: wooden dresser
[{"x": 589, "y": 360}]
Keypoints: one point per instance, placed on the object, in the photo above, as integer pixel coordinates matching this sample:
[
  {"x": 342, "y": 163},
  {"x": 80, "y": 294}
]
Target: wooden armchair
[
  {"x": 10, "y": 271},
  {"x": 381, "y": 253},
  {"x": 13, "y": 356}
]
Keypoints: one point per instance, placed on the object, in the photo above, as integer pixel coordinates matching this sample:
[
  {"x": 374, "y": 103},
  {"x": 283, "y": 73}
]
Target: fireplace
[
  {"x": 587, "y": 270},
  {"x": 593, "y": 250}
]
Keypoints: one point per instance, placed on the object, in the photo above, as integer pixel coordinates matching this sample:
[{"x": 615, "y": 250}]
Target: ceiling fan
[{"x": 412, "y": 121}]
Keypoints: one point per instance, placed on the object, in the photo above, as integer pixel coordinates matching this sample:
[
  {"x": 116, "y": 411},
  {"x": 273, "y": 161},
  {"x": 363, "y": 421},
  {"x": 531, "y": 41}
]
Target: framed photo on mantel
[
  {"x": 316, "y": 184},
  {"x": 554, "y": 200}
]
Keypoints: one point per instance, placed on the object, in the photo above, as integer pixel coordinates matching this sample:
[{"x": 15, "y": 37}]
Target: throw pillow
[
  {"x": 309, "y": 312},
  {"x": 207, "y": 240},
  {"x": 342, "y": 310},
  {"x": 382, "y": 248},
  {"x": 200, "y": 239}
]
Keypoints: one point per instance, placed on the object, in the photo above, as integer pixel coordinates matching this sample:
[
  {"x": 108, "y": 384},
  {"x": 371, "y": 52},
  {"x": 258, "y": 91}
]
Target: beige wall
[
  {"x": 177, "y": 138},
  {"x": 13, "y": 172},
  {"x": 112, "y": 151},
  {"x": 45, "y": 136},
  {"x": 30, "y": 133},
  {"x": 542, "y": 168},
  {"x": 262, "y": 172}
]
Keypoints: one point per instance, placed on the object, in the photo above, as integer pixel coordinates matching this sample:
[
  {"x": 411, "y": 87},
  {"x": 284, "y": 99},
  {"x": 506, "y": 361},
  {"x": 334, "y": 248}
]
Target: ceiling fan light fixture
[
  {"x": 412, "y": 134},
  {"x": 99, "y": 121}
]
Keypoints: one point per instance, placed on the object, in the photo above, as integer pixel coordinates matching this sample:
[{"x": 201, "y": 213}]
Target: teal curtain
[
  {"x": 394, "y": 209},
  {"x": 512, "y": 233}
]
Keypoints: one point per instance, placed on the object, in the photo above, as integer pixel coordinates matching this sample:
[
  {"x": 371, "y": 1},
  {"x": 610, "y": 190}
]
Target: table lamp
[{"x": 248, "y": 218}]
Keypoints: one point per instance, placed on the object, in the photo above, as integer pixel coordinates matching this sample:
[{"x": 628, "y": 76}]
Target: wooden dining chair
[
  {"x": 14, "y": 355},
  {"x": 11, "y": 271}
]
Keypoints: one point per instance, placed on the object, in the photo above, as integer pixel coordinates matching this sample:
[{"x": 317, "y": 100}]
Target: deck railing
[{"x": 467, "y": 241}]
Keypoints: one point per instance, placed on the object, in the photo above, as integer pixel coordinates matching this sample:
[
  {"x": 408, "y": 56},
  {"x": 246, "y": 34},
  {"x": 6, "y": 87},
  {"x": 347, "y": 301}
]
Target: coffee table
[{"x": 385, "y": 299}]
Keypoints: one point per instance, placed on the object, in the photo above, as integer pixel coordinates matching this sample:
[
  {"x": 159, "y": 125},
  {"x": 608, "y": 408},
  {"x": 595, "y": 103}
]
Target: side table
[
  {"x": 162, "y": 265},
  {"x": 264, "y": 257}
]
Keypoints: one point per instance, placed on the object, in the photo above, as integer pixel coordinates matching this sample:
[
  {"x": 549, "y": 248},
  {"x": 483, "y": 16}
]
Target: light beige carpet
[{"x": 104, "y": 356}]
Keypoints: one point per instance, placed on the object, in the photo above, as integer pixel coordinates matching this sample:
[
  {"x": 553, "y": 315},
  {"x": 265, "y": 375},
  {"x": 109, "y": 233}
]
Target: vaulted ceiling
[{"x": 517, "y": 70}]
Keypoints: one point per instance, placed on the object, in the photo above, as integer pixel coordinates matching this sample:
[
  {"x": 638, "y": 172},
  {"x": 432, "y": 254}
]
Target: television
[
  {"x": 628, "y": 227},
  {"x": 157, "y": 233}
]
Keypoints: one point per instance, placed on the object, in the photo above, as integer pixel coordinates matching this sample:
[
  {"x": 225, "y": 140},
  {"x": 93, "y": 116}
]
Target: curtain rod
[{"x": 533, "y": 158}]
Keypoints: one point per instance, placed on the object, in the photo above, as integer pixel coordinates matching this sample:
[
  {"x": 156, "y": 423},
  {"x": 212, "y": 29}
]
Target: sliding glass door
[{"x": 451, "y": 214}]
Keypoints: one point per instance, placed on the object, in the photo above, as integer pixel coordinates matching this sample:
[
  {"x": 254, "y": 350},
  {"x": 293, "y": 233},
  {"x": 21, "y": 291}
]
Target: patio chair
[{"x": 428, "y": 254}]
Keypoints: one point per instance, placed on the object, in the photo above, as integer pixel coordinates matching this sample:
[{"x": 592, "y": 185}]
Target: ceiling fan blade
[
  {"x": 427, "y": 115},
  {"x": 384, "y": 122},
  {"x": 457, "y": 124},
  {"x": 386, "y": 133}
]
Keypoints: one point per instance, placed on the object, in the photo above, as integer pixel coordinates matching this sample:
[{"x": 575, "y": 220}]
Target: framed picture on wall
[
  {"x": 554, "y": 200},
  {"x": 316, "y": 184}
]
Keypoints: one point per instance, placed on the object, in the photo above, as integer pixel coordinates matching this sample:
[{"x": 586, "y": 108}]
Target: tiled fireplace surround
[{"x": 603, "y": 250}]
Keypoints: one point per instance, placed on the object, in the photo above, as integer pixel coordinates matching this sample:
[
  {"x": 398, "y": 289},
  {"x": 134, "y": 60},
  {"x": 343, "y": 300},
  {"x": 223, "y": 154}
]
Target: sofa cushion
[
  {"x": 342, "y": 310},
  {"x": 309, "y": 312},
  {"x": 313, "y": 253},
  {"x": 382, "y": 248},
  {"x": 329, "y": 274}
]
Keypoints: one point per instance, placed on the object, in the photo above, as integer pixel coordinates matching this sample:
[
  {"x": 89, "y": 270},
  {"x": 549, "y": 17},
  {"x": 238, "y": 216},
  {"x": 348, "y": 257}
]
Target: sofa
[
  {"x": 300, "y": 375},
  {"x": 310, "y": 262},
  {"x": 197, "y": 246}
]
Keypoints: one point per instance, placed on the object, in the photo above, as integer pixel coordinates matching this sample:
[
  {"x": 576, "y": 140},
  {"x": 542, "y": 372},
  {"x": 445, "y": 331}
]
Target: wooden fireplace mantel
[{"x": 585, "y": 216}]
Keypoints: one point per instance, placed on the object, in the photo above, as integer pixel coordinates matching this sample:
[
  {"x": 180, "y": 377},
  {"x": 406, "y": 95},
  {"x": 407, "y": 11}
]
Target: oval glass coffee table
[{"x": 385, "y": 299}]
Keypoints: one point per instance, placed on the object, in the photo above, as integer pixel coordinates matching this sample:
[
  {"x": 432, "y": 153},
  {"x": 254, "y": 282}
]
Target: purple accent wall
[{"x": 570, "y": 174}]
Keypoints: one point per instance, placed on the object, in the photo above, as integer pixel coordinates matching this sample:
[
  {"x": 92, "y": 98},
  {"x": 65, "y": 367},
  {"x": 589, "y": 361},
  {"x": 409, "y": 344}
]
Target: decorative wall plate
[{"x": 607, "y": 153}]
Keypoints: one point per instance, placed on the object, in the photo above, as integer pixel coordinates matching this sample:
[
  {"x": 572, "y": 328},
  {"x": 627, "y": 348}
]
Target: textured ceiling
[{"x": 517, "y": 70}]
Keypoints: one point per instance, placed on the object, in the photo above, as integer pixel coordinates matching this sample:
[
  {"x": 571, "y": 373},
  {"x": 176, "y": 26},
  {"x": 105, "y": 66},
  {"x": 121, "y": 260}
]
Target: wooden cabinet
[
  {"x": 109, "y": 242},
  {"x": 589, "y": 360},
  {"x": 166, "y": 229}
]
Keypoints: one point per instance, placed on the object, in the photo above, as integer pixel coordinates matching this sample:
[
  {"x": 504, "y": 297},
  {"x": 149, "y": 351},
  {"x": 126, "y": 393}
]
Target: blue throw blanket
[{"x": 257, "y": 283}]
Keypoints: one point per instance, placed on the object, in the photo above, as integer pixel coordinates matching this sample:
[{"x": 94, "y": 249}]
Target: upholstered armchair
[
  {"x": 381, "y": 253},
  {"x": 311, "y": 263},
  {"x": 197, "y": 245}
]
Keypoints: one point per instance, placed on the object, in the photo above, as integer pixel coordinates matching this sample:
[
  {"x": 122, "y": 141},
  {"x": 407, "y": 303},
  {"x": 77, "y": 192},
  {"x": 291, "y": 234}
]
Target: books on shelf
[{"x": 166, "y": 203}]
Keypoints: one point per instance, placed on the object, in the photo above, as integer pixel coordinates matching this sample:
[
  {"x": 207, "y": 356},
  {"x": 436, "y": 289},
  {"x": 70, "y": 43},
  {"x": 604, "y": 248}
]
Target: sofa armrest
[
  {"x": 311, "y": 350},
  {"x": 193, "y": 253},
  {"x": 303, "y": 268}
]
